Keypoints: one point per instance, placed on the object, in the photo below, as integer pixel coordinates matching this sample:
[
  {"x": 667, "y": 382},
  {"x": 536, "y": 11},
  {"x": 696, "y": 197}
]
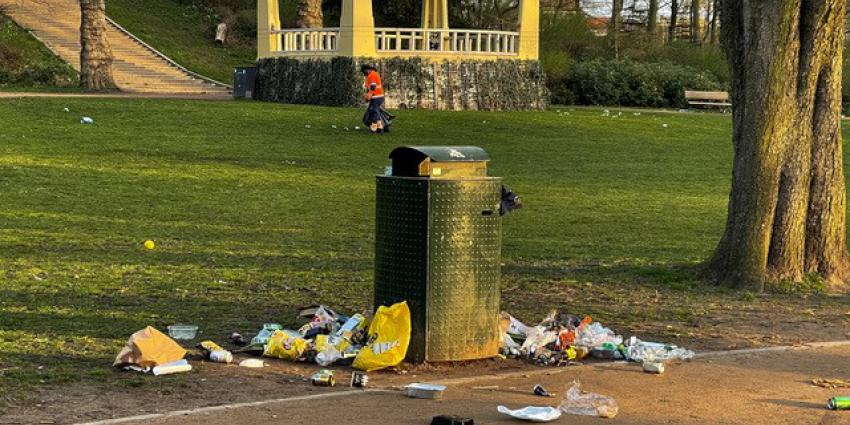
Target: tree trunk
[
  {"x": 310, "y": 14},
  {"x": 696, "y": 14},
  {"x": 95, "y": 53},
  {"x": 786, "y": 217},
  {"x": 674, "y": 17},
  {"x": 652, "y": 17},
  {"x": 712, "y": 30},
  {"x": 615, "y": 24}
]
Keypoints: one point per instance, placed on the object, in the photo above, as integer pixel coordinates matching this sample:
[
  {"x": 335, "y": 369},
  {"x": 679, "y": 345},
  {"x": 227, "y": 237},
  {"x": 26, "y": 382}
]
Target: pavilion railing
[
  {"x": 307, "y": 40},
  {"x": 459, "y": 41}
]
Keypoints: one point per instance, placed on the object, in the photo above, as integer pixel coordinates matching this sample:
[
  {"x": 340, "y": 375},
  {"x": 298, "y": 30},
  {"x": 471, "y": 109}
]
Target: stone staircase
[{"x": 137, "y": 68}]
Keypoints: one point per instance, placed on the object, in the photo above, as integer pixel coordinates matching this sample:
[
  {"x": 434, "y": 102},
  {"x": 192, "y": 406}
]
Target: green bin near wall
[{"x": 438, "y": 247}]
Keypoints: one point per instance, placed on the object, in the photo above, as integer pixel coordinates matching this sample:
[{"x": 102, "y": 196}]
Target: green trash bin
[{"x": 438, "y": 247}]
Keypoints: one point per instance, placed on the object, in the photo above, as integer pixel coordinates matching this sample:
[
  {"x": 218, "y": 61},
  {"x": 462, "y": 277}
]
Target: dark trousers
[{"x": 374, "y": 111}]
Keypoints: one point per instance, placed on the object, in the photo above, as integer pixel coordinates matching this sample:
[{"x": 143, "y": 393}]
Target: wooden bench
[{"x": 709, "y": 99}]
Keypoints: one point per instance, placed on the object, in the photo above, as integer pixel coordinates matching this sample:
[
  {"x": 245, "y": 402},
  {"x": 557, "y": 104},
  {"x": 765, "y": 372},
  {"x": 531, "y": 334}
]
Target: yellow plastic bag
[
  {"x": 389, "y": 337},
  {"x": 285, "y": 346}
]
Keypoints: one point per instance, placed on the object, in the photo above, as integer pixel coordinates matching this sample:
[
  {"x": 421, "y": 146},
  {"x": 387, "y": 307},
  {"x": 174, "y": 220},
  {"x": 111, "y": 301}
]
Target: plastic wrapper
[
  {"x": 328, "y": 356},
  {"x": 532, "y": 413},
  {"x": 538, "y": 337},
  {"x": 389, "y": 337},
  {"x": 595, "y": 335},
  {"x": 512, "y": 326},
  {"x": 577, "y": 402},
  {"x": 641, "y": 351},
  {"x": 285, "y": 346}
]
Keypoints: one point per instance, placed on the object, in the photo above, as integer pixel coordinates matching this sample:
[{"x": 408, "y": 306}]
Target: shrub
[{"x": 627, "y": 83}]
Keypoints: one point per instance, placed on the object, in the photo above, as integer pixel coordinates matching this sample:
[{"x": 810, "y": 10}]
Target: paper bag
[{"x": 148, "y": 348}]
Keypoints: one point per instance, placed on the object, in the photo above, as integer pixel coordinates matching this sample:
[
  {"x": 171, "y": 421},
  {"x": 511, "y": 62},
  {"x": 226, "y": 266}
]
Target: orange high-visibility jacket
[{"x": 374, "y": 85}]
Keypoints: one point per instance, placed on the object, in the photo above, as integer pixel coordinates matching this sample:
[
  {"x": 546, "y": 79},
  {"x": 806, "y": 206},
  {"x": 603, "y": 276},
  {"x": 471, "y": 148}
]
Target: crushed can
[
  {"x": 838, "y": 403},
  {"x": 323, "y": 378},
  {"x": 359, "y": 379}
]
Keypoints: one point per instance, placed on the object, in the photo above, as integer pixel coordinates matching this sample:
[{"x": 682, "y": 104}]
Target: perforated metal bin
[{"x": 438, "y": 246}]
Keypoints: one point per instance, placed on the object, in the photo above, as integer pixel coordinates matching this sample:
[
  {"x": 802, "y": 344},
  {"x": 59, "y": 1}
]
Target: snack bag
[
  {"x": 285, "y": 346},
  {"x": 389, "y": 337}
]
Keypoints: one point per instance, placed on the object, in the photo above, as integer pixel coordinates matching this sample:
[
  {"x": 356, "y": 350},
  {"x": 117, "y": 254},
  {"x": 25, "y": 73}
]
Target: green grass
[
  {"x": 26, "y": 64},
  {"x": 184, "y": 33},
  {"x": 255, "y": 215}
]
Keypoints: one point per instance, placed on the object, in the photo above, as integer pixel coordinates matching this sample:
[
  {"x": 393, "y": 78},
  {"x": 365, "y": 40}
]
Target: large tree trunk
[
  {"x": 696, "y": 6},
  {"x": 786, "y": 217},
  {"x": 674, "y": 18},
  {"x": 310, "y": 14},
  {"x": 652, "y": 17},
  {"x": 95, "y": 53}
]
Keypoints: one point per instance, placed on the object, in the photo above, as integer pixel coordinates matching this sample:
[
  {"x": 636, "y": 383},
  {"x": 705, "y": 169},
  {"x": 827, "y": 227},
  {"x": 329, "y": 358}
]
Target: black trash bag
[
  {"x": 510, "y": 201},
  {"x": 386, "y": 118}
]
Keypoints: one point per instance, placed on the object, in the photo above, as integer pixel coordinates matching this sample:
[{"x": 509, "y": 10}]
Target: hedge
[
  {"x": 409, "y": 82},
  {"x": 626, "y": 83}
]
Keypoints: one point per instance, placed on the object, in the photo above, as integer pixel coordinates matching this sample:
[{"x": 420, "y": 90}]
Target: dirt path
[{"x": 754, "y": 388}]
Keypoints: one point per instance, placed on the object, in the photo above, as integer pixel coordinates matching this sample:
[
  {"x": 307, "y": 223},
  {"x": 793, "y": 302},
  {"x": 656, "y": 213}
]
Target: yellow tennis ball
[{"x": 149, "y": 244}]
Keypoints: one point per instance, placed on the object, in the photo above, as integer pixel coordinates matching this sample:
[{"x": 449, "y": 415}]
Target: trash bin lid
[
  {"x": 439, "y": 161},
  {"x": 441, "y": 153}
]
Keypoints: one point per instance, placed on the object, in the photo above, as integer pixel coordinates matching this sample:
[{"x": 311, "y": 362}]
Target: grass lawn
[
  {"x": 254, "y": 215},
  {"x": 25, "y": 62},
  {"x": 184, "y": 33}
]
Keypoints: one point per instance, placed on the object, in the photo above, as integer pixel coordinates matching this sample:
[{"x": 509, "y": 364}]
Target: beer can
[
  {"x": 359, "y": 379},
  {"x": 221, "y": 356},
  {"x": 838, "y": 403},
  {"x": 323, "y": 378}
]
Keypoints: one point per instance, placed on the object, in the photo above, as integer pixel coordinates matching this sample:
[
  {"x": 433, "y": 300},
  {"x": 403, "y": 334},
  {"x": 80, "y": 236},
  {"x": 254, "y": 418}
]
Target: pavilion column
[
  {"x": 529, "y": 29},
  {"x": 357, "y": 29},
  {"x": 435, "y": 14},
  {"x": 268, "y": 20}
]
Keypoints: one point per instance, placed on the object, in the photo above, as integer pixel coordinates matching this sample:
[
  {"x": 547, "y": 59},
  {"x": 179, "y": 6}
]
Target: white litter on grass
[
  {"x": 357, "y": 127},
  {"x": 664, "y": 125},
  {"x": 86, "y": 120},
  {"x": 67, "y": 110},
  {"x": 333, "y": 126},
  {"x": 308, "y": 126},
  {"x": 255, "y": 363},
  {"x": 532, "y": 413}
]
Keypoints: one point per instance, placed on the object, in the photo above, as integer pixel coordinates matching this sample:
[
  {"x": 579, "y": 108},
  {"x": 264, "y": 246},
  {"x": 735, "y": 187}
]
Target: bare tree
[
  {"x": 786, "y": 218},
  {"x": 652, "y": 17},
  {"x": 712, "y": 29},
  {"x": 695, "y": 21},
  {"x": 674, "y": 17},
  {"x": 615, "y": 24},
  {"x": 95, "y": 52}
]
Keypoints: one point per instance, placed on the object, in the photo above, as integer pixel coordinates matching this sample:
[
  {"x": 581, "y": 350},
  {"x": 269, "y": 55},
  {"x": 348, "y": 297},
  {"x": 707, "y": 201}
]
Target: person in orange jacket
[{"x": 375, "y": 97}]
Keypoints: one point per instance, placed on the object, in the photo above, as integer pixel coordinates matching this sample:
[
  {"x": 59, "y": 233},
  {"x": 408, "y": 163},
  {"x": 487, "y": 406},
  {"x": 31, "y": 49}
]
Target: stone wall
[{"x": 504, "y": 85}]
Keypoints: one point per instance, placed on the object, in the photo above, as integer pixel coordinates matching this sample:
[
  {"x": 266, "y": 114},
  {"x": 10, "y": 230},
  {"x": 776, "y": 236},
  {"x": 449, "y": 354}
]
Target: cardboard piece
[{"x": 148, "y": 348}]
